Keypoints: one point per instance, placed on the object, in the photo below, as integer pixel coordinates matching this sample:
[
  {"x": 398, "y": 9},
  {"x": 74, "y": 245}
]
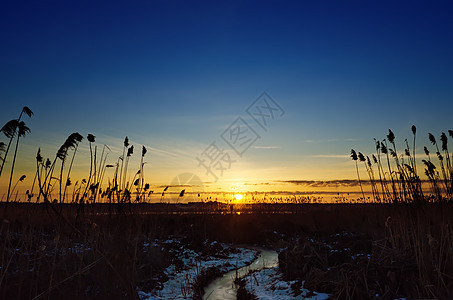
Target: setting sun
[
  {"x": 238, "y": 197},
  {"x": 166, "y": 150}
]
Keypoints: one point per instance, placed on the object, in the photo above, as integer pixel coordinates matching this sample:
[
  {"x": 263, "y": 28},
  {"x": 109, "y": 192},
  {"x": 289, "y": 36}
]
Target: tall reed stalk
[
  {"x": 354, "y": 158},
  {"x": 22, "y": 130},
  {"x": 91, "y": 139},
  {"x": 9, "y": 129},
  {"x": 440, "y": 157},
  {"x": 126, "y": 145},
  {"x": 406, "y": 185},
  {"x": 102, "y": 168},
  {"x": 384, "y": 187},
  {"x": 45, "y": 184},
  {"x": 385, "y": 151},
  {"x": 141, "y": 182}
]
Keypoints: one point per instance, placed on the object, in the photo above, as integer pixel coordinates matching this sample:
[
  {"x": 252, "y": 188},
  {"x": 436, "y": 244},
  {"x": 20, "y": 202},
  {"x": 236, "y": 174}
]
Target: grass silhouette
[
  {"x": 406, "y": 185},
  {"x": 22, "y": 130},
  {"x": 9, "y": 129}
]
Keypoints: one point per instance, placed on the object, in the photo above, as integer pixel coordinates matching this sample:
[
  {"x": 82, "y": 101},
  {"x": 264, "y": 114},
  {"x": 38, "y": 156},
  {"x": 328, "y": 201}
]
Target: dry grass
[
  {"x": 411, "y": 255},
  {"x": 87, "y": 250},
  {"x": 45, "y": 254}
]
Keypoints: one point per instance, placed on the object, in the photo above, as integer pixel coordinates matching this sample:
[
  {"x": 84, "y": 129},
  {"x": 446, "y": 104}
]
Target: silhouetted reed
[
  {"x": 355, "y": 158},
  {"x": 102, "y": 168},
  {"x": 406, "y": 185},
  {"x": 122, "y": 158},
  {"x": 9, "y": 130},
  {"x": 91, "y": 139},
  {"x": 54, "y": 188},
  {"x": 22, "y": 130},
  {"x": 141, "y": 190},
  {"x": 382, "y": 178},
  {"x": 45, "y": 171}
]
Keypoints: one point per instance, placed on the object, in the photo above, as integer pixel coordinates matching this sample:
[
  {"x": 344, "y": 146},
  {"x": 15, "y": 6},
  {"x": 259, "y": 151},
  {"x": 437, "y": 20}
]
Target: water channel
[{"x": 224, "y": 288}]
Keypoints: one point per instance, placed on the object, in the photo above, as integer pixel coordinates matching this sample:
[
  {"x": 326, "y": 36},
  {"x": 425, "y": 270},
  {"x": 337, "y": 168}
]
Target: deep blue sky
[{"x": 172, "y": 75}]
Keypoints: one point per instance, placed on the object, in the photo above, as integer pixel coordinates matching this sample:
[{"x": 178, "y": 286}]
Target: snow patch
[{"x": 268, "y": 284}]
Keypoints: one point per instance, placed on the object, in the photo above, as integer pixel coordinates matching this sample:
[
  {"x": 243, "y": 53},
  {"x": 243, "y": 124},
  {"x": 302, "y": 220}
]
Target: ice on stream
[{"x": 178, "y": 284}]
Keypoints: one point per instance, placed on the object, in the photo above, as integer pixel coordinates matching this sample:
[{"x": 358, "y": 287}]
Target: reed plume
[
  {"x": 126, "y": 145},
  {"x": 385, "y": 151},
  {"x": 45, "y": 183},
  {"x": 399, "y": 167},
  {"x": 372, "y": 178},
  {"x": 40, "y": 161},
  {"x": 21, "y": 179},
  {"x": 432, "y": 174},
  {"x": 91, "y": 139},
  {"x": 9, "y": 129},
  {"x": 354, "y": 158},
  {"x": 405, "y": 181},
  {"x": 22, "y": 131},
  {"x": 382, "y": 179},
  {"x": 414, "y": 163},
  {"x": 142, "y": 175},
  {"x": 130, "y": 151},
  {"x": 72, "y": 142},
  {"x": 163, "y": 193},
  {"x": 445, "y": 180},
  {"x": 449, "y": 169}
]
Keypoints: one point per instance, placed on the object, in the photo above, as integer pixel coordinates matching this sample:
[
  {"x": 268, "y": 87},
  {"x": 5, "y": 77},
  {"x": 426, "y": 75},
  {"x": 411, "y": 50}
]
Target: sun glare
[{"x": 238, "y": 197}]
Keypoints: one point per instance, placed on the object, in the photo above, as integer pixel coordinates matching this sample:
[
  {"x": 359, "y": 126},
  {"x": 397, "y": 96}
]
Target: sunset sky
[{"x": 175, "y": 75}]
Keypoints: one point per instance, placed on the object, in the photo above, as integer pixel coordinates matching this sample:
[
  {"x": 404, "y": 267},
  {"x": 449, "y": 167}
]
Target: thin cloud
[
  {"x": 332, "y": 140},
  {"x": 330, "y": 156},
  {"x": 164, "y": 152},
  {"x": 266, "y": 147},
  {"x": 331, "y": 183},
  {"x": 176, "y": 186},
  {"x": 326, "y": 183}
]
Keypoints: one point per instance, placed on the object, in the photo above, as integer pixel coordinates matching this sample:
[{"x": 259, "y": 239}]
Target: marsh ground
[{"x": 355, "y": 251}]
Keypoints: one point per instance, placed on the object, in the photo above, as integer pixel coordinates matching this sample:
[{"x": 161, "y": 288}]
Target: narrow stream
[{"x": 224, "y": 288}]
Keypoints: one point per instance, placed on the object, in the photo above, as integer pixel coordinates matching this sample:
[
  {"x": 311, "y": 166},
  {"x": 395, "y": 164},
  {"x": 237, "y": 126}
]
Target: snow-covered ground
[
  {"x": 265, "y": 284},
  {"x": 178, "y": 286},
  {"x": 268, "y": 284}
]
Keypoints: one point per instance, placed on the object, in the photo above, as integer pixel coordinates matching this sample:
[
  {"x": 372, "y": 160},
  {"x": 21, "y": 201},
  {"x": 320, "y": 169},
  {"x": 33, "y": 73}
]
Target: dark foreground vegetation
[
  {"x": 350, "y": 251},
  {"x": 91, "y": 238}
]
